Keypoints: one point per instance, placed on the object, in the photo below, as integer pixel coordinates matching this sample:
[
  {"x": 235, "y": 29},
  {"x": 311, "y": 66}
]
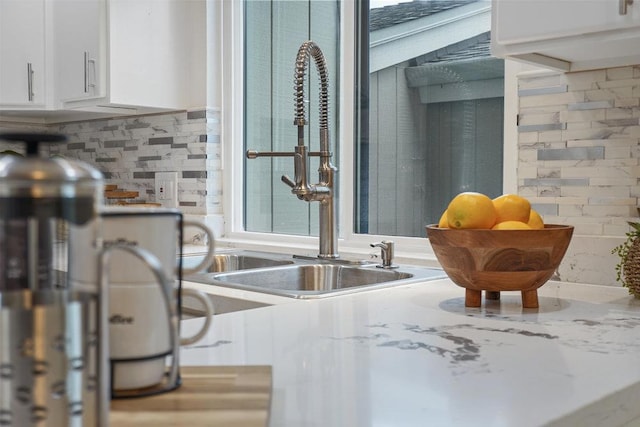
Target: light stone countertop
[{"x": 415, "y": 356}]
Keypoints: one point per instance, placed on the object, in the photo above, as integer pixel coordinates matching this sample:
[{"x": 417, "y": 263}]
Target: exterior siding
[{"x": 420, "y": 155}]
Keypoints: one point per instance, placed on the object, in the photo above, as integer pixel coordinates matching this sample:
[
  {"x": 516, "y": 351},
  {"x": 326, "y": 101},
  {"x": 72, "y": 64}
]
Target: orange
[
  {"x": 511, "y": 225},
  {"x": 444, "y": 222},
  {"x": 511, "y": 207},
  {"x": 535, "y": 220},
  {"x": 471, "y": 210}
]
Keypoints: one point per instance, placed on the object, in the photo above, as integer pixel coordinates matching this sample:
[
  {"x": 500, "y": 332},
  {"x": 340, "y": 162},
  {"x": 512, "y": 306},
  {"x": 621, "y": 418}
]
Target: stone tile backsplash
[
  {"x": 129, "y": 151},
  {"x": 579, "y": 148}
]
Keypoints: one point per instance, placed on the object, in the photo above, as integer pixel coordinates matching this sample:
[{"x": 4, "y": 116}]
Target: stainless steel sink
[
  {"x": 314, "y": 279},
  {"x": 238, "y": 261}
]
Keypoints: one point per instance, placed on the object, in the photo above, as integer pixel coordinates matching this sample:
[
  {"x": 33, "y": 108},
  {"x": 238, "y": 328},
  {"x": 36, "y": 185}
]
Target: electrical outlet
[{"x": 167, "y": 189}]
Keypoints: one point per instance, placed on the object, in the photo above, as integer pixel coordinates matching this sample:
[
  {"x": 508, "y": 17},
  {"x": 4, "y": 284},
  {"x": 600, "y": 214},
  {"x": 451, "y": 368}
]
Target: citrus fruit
[
  {"x": 535, "y": 220},
  {"x": 511, "y": 207},
  {"x": 511, "y": 225},
  {"x": 471, "y": 210},
  {"x": 444, "y": 222}
]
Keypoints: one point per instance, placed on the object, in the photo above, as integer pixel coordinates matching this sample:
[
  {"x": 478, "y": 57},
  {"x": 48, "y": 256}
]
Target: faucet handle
[
  {"x": 254, "y": 154},
  {"x": 288, "y": 181},
  {"x": 386, "y": 248}
]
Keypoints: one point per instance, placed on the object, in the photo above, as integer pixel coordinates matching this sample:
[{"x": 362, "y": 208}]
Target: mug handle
[
  {"x": 208, "y": 318},
  {"x": 209, "y": 257}
]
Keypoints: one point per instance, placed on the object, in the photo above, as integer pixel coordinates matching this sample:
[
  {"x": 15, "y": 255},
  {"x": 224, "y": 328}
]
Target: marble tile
[
  {"x": 130, "y": 150},
  {"x": 600, "y": 110}
]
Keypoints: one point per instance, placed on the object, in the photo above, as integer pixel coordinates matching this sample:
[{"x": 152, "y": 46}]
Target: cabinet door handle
[
  {"x": 87, "y": 72},
  {"x": 30, "y": 94},
  {"x": 622, "y": 6}
]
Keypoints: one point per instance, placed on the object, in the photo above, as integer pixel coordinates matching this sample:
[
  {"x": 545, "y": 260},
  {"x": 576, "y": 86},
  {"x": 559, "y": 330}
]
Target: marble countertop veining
[{"x": 416, "y": 356}]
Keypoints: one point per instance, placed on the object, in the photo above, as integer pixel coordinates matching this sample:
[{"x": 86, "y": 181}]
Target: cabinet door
[
  {"x": 520, "y": 21},
  {"x": 22, "y": 44},
  {"x": 78, "y": 28},
  {"x": 156, "y": 52}
]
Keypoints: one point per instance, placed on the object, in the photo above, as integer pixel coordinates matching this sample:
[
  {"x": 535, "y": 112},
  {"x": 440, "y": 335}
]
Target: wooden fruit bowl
[{"x": 500, "y": 260}]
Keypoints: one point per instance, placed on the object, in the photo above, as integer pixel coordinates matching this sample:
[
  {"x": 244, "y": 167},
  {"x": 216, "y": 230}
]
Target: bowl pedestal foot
[
  {"x": 530, "y": 299},
  {"x": 473, "y": 298}
]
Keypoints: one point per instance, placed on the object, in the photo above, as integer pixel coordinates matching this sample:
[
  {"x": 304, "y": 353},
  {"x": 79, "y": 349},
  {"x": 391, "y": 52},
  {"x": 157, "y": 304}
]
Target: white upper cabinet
[
  {"x": 22, "y": 53},
  {"x": 153, "y": 57},
  {"x": 158, "y": 53},
  {"x": 569, "y": 35},
  {"x": 110, "y": 57}
]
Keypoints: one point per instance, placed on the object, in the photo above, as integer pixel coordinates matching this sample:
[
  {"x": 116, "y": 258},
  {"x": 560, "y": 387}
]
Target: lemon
[
  {"x": 535, "y": 220},
  {"x": 444, "y": 222},
  {"x": 471, "y": 210},
  {"x": 511, "y": 225},
  {"x": 511, "y": 207}
]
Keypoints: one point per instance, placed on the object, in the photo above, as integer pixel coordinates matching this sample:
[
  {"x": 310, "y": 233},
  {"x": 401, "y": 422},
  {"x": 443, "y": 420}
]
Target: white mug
[{"x": 143, "y": 279}]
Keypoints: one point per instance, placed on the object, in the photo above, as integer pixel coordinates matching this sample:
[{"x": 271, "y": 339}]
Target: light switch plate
[{"x": 167, "y": 189}]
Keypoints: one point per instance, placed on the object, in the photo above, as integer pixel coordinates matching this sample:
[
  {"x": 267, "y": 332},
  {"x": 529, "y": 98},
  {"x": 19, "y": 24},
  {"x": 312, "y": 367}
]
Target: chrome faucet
[{"x": 322, "y": 192}]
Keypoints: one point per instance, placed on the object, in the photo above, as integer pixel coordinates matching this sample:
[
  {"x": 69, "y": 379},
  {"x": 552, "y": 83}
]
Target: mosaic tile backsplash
[
  {"x": 129, "y": 151},
  {"x": 579, "y": 148}
]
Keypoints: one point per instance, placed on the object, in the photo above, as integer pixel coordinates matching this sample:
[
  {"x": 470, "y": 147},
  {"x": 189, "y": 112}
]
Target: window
[
  {"x": 274, "y": 30},
  {"x": 428, "y": 113}
]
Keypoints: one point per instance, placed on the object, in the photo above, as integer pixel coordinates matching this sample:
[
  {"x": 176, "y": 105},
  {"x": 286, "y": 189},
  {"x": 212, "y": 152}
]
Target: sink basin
[
  {"x": 314, "y": 280},
  {"x": 237, "y": 261},
  {"x": 315, "y": 277}
]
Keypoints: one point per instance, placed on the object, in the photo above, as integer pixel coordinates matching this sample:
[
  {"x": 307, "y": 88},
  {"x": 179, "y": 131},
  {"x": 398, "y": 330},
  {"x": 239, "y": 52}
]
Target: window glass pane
[
  {"x": 428, "y": 116},
  {"x": 430, "y": 111},
  {"x": 274, "y": 30}
]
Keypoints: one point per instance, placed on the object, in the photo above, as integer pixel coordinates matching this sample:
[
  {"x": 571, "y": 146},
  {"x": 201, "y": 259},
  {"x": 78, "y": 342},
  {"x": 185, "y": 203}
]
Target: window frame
[{"x": 230, "y": 72}]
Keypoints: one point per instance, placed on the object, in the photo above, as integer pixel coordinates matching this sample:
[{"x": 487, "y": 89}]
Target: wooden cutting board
[
  {"x": 229, "y": 396},
  {"x": 121, "y": 194}
]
